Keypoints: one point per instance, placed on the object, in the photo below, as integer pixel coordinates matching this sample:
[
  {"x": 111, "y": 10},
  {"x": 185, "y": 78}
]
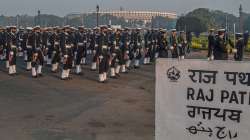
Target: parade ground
[{"x": 48, "y": 108}]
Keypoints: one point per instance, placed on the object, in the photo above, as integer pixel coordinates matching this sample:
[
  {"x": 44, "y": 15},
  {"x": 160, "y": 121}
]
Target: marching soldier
[
  {"x": 2, "y": 43},
  {"x": 94, "y": 46},
  {"x": 7, "y": 46},
  {"x": 130, "y": 51},
  {"x": 148, "y": 47},
  {"x": 92, "y": 41},
  {"x": 239, "y": 47},
  {"x": 12, "y": 46},
  {"x": 45, "y": 46},
  {"x": 162, "y": 43},
  {"x": 211, "y": 43},
  {"x": 67, "y": 62},
  {"x": 112, "y": 52},
  {"x": 81, "y": 40},
  {"x": 88, "y": 50},
  {"x": 54, "y": 48},
  {"x": 20, "y": 37},
  {"x": 182, "y": 44},
  {"x": 155, "y": 46},
  {"x": 72, "y": 33},
  {"x": 125, "y": 42},
  {"x": 173, "y": 44},
  {"x": 151, "y": 47},
  {"x": 221, "y": 50},
  {"x": 103, "y": 56},
  {"x": 48, "y": 42},
  {"x": 67, "y": 50},
  {"x": 28, "y": 51},
  {"x": 24, "y": 38},
  {"x": 37, "y": 53},
  {"x": 113, "y": 58},
  {"x": 86, "y": 45},
  {"x": 118, "y": 52},
  {"x": 111, "y": 38},
  {"x": 137, "y": 48}
]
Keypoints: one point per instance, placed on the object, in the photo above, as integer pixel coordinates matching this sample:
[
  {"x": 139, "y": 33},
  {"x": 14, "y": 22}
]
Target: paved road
[{"x": 81, "y": 109}]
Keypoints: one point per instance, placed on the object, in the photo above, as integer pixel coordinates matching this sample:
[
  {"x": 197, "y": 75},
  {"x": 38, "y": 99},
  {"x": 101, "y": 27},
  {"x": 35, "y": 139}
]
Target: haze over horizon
[{"x": 63, "y": 7}]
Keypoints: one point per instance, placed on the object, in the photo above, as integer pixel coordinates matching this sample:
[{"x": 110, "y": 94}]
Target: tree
[
  {"x": 214, "y": 19},
  {"x": 191, "y": 24},
  {"x": 247, "y": 24}
]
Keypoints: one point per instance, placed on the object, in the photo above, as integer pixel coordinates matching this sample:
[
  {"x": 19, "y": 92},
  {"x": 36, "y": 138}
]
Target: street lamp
[
  {"x": 17, "y": 21},
  {"x": 97, "y": 15},
  {"x": 39, "y": 17}
]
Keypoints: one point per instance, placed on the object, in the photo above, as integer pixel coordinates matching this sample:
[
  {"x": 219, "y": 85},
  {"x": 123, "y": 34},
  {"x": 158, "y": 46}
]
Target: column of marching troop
[
  {"x": 221, "y": 45},
  {"x": 110, "y": 51}
]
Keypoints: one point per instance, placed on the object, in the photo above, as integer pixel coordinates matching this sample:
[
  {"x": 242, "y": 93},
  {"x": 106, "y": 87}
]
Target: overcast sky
[{"x": 63, "y": 7}]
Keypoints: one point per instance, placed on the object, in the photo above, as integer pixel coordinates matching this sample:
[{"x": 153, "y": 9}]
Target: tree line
[{"x": 202, "y": 19}]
